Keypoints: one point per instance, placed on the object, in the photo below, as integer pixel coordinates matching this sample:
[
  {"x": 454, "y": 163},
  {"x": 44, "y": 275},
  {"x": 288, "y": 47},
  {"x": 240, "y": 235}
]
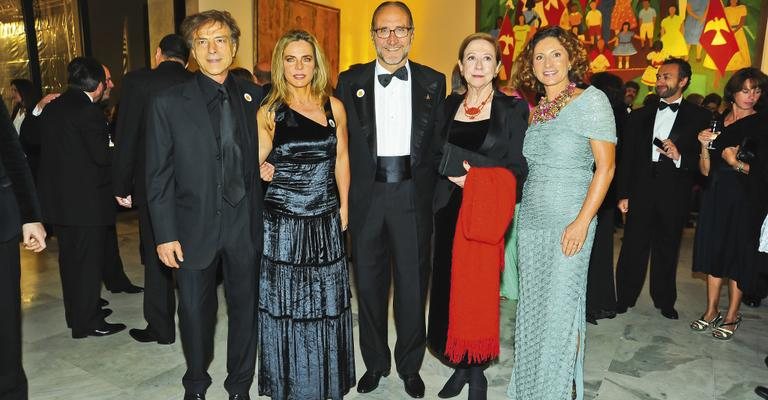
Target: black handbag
[
  {"x": 454, "y": 156},
  {"x": 747, "y": 150}
]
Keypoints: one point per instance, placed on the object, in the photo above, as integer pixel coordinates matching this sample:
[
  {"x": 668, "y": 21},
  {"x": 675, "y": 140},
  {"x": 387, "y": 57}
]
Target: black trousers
[
  {"x": 81, "y": 259},
  {"x": 392, "y": 244},
  {"x": 113, "y": 273},
  {"x": 198, "y": 303},
  {"x": 601, "y": 291},
  {"x": 159, "y": 296},
  {"x": 654, "y": 228},
  {"x": 13, "y": 381}
]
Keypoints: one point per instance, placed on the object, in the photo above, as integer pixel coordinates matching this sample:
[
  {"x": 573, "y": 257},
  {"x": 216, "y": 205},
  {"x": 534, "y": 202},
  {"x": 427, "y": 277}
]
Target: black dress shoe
[
  {"x": 455, "y": 383},
  {"x": 106, "y": 312},
  {"x": 670, "y": 313},
  {"x": 131, "y": 289},
  {"x": 194, "y": 396},
  {"x": 238, "y": 396},
  {"x": 370, "y": 381},
  {"x": 414, "y": 386},
  {"x": 103, "y": 303},
  {"x": 147, "y": 336},
  {"x": 591, "y": 318},
  {"x": 105, "y": 330},
  {"x": 762, "y": 391}
]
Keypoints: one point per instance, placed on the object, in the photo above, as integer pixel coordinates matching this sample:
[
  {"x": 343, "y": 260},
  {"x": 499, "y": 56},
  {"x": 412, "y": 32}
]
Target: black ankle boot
[
  {"x": 478, "y": 385},
  {"x": 455, "y": 383}
]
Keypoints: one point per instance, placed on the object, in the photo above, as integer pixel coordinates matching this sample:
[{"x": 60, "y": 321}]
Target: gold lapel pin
[
  {"x": 248, "y": 97},
  {"x": 360, "y": 93}
]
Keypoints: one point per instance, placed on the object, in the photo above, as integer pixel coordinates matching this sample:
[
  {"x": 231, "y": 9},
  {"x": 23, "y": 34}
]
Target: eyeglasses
[{"x": 400, "y": 32}]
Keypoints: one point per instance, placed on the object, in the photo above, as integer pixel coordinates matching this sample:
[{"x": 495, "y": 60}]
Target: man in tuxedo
[
  {"x": 391, "y": 105},
  {"x": 75, "y": 193},
  {"x": 139, "y": 88},
  {"x": 654, "y": 188},
  {"x": 19, "y": 213},
  {"x": 205, "y": 201}
]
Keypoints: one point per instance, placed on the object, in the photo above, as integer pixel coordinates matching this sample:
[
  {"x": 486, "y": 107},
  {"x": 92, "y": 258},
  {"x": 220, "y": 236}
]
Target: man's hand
[
  {"x": 266, "y": 171},
  {"x": 670, "y": 150},
  {"x": 124, "y": 201},
  {"x": 34, "y": 236},
  {"x": 623, "y": 205},
  {"x": 169, "y": 252}
]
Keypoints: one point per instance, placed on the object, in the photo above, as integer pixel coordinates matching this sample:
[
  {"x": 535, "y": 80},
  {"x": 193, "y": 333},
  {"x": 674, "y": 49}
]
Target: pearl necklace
[
  {"x": 473, "y": 112},
  {"x": 547, "y": 110}
]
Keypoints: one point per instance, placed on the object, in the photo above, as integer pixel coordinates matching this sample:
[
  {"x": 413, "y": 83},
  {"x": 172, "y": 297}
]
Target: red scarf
[{"x": 478, "y": 258}]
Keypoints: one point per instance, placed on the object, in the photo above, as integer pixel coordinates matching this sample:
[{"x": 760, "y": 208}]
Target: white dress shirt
[
  {"x": 18, "y": 120},
  {"x": 393, "y": 114},
  {"x": 662, "y": 126}
]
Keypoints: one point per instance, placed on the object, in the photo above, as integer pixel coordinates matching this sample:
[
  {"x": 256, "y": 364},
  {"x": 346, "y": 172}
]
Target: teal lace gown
[{"x": 550, "y": 324}]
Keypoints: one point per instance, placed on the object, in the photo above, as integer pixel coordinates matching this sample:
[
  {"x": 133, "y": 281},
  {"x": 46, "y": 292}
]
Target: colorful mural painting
[{"x": 631, "y": 38}]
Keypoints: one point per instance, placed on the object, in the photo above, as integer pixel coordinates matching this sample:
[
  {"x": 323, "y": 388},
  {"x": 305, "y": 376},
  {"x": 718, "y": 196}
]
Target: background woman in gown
[
  {"x": 729, "y": 219},
  {"x": 305, "y": 321},
  {"x": 572, "y": 131},
  {"x": 487, "y": 122}
]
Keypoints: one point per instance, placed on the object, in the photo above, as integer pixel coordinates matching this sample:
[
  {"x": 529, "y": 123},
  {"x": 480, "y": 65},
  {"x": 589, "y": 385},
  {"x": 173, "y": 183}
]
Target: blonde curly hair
[{"x": 522, "y": 70}]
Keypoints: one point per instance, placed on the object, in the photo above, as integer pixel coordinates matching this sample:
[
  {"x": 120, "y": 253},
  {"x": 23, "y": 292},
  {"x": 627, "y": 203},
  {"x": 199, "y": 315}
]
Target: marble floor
[{"x": 638, "y": 355}]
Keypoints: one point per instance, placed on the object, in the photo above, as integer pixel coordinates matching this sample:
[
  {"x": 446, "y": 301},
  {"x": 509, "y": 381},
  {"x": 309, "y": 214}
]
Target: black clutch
[
  {"x": 454, "y": 156},
  {"x": 747, "y": 150}
]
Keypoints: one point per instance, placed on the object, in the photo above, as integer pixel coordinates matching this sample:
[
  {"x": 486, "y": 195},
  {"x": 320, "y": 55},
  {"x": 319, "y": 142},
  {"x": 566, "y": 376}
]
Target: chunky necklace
[
  {"x": 473, "y": 112},
  {"x": 547, "y": 110}
]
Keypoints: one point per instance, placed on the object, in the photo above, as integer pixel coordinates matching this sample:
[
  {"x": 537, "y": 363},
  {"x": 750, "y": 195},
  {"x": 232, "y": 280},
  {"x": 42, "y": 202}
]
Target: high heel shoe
[
  {"x": 455, "y": 383},
  {"x": 702, "y": 324},
  {"x": 723, "y": 333},
  {"x": 478, "y": 384}
]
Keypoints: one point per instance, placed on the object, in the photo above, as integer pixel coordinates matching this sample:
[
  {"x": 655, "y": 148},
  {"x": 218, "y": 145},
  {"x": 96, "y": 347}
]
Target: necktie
[
  {"x": 673, "y": 107},
  {"x": 234, "y": 183},
  {"x": 400, "y": 73}
]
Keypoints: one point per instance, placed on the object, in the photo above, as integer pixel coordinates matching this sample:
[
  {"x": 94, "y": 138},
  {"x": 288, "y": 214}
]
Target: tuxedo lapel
[
  {"x": 674, "y": 134},
  {"x": 197, "y": 111},
  {"x": 496, "y": 124},
  {"x": 364, "y": 100},
  {"x": 423, "y": 97}
]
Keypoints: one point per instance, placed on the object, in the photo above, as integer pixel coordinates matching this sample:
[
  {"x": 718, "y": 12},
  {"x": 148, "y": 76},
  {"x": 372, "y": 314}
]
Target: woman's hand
[
  {"x": 705, "y": 137},
  {"x": 344, "y": 216},
  {"x": 573, "y": 237},
  {"x": 266, "y": 171},
  {"x": 459, "y": 180},
  {"x": 729, "y": 155}
]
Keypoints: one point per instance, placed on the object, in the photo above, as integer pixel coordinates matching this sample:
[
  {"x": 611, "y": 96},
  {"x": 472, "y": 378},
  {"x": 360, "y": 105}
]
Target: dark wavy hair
[
  {"x": 28, "y": 93},
  {"x": 523, "y": 76},
  {"x": 192, "y": 23},
  {"x": 750, "y": 74}
]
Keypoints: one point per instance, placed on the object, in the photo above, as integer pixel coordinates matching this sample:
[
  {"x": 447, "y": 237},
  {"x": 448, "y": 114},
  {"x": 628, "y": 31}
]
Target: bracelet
[
  {"x": 704, "y": 156},
  {"x": 740, "y": 167}
]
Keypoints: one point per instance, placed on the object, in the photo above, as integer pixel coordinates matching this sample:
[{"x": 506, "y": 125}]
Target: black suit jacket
[
  {"x": 635, "y": 170},
  {"x": 356, "y": 90},
  {"x": 18, "y": 199},
  {"x": 74, "y": 179},
  {"x": 183, "y": 177},
  {"x": 503, "y": 142},
  {"x": 129, "y": 161}
]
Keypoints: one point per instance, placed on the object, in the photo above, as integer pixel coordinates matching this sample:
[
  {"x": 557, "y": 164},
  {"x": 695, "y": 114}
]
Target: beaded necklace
[
  {"x": 547, "y": 110},
  {"x": 473, "y": 112}
]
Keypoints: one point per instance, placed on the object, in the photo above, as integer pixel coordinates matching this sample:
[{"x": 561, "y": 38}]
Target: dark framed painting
[
  {"x": 272, "y": 18},
  {"x": 630, "y": 38}
]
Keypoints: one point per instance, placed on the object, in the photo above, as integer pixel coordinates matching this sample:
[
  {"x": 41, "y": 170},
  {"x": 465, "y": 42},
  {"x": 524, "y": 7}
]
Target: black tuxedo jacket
[
  {"x": 503, "y": 142},
  {"x": 129, "y": 159},
  {"x": 183, "y": 176},
  {"x": 75, "y": 179},
  {"x": 18, "y": 199},
  {"x": 356, "y": 90}
]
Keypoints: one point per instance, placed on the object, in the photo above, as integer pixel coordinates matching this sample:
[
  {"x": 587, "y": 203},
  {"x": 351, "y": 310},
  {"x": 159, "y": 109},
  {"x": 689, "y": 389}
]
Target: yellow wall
[{"x": 440, "y": 27}]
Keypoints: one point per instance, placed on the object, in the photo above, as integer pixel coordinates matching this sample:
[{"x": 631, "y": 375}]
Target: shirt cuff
[
  {"x": 37, "y": 111},
  {"x": 679, "y": 161}
]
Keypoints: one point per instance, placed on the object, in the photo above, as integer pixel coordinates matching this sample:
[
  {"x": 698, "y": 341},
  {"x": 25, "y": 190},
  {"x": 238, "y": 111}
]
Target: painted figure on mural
[
  {"x": 622, "y": 12},
  {"x": 696, "y": 14},
  {"x": 647, "y": 17},
  {"x": 672, "y": 34},
  {"x": 624, "y": 47},
  {"x": 655, "y": 58}
]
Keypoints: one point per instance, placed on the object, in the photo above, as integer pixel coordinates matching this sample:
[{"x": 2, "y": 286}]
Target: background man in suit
[
  {"x": 205, "y": 200},
  {"x": 139, "y": 87},
  {"x": 654, "y": 188},
  {"x": 19, "y": 213},
  {"x": 75, "y": 193},
  {"x": 392, "y": 105}
]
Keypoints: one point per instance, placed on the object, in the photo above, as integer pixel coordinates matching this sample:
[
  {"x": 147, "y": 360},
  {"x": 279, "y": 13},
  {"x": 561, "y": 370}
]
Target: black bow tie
[
  {"x": 400, "y": 73},
  {"x": 673, "y": 107}
]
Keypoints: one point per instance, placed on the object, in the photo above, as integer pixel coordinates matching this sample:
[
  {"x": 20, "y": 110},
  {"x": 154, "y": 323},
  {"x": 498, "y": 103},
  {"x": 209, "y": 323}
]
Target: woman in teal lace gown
[
  {"x": 306, "y": 350},
  {"x": 571, "y": 130}
]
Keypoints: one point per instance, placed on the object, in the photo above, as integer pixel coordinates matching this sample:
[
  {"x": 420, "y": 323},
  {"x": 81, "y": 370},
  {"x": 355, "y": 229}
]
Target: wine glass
[{"x": 715, "y": 127}]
